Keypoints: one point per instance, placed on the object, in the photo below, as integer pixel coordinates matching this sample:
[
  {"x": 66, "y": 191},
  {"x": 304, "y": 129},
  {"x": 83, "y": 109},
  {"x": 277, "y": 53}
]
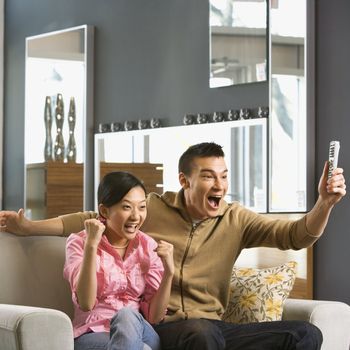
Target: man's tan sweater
[{"x": 204, "y": 253}]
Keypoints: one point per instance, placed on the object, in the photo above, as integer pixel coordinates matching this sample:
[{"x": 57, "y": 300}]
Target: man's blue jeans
[
  {"x": 203, "y": 334},
  {"x": 129, "y": 330}
]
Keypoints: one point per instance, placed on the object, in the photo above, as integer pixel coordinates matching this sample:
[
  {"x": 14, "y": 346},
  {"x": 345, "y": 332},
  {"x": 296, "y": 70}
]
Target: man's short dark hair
[{"x": 200, "y": 150}]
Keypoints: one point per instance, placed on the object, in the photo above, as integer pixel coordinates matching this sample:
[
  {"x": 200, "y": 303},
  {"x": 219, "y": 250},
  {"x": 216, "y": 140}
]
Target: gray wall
[
  {"x": 151, "y": 59},
  {"x": 332, "y": 260}
]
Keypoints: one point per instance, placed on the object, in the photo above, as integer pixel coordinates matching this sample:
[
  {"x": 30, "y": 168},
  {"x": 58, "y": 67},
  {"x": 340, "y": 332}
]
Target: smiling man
[
  {"x": 205, "y": 184},
  {"x": 208, "y": 235}
]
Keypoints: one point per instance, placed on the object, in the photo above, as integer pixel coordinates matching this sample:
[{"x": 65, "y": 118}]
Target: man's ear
[
  {"x": 103, "y": 211},
  {"x": 183, "y": 181}
]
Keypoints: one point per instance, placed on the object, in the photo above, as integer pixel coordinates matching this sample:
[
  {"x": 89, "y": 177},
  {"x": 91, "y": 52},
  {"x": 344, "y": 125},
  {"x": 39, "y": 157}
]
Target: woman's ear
[{"x": 103, "y": 211}]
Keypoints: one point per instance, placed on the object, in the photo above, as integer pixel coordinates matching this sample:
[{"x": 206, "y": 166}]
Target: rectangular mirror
[
  {"x": 244, "y": 143},
  {"x": 58, "y": 121},
  {"x": 238, "y": 41},
  {"x": 289, "y": 118},
  {"x": 291, "y": 123}
]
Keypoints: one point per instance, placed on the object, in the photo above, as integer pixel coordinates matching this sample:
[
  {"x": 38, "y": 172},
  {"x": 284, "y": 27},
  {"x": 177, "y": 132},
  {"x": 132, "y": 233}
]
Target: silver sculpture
[
  {"x": 59, "y": 117},
  {"x": 71, "y": 147},
  {"x": 48, "y": 125}
]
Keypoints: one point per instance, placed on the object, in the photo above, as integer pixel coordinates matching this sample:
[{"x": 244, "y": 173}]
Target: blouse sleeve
[
  {"x": 73, "y": 262},
  {"x": 152, "y": 278}
]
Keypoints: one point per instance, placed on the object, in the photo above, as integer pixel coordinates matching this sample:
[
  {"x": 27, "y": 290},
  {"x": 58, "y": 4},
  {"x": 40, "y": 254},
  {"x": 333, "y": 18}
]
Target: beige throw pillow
[{"x": 258, "y": 295}]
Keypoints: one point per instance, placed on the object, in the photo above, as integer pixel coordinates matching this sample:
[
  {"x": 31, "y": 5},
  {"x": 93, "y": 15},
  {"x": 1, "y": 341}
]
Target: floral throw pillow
[{"x": 258, "y": 295}]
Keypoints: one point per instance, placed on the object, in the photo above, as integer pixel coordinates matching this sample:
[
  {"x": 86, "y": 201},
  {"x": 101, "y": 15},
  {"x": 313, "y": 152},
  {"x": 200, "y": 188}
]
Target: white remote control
[{"x": 333, "y": 156}]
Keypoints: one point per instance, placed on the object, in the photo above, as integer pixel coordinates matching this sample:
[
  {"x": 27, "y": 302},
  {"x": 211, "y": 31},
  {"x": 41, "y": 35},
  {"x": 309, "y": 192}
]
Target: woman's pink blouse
[{"x": 130, "y": 282}]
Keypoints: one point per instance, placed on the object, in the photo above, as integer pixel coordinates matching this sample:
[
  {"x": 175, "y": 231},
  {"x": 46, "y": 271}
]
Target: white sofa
[{"x": 36, "y": 307}]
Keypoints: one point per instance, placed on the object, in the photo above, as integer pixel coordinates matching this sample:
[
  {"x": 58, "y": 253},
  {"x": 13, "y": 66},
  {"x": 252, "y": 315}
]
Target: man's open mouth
[{"x": 214, "y": 200}]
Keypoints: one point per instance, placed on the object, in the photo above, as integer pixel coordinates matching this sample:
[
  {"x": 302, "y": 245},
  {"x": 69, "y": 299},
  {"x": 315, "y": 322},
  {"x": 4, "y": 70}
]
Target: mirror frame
[{"x": 88, "y": 106}]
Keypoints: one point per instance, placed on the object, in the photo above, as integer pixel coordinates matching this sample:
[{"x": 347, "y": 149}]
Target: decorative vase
[
  {"x": 232, "y": 114},
  {"x": 244, "y": 113},
  {"x": 71, "y": 148},
  {"x": 217, "y": 117},
  {"x": 143, "y": 124},
  {"x": 155, "y": 123},
  {"x": 59, "y": 117},
  {"x": 129, "y": 125},
  {"x": 104, "y": 127},
  {"x": 202, "y": 118},
  {"x": 116, "y": 126},
  {"x": 263, "y": 112},
  {"x": 189, "y": 119},
  {"x": 48, "y": 125}
]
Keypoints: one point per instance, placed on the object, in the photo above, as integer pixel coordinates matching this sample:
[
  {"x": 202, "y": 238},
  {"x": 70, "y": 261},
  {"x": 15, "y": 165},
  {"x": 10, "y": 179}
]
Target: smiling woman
[{"x": 115, "y": 270}]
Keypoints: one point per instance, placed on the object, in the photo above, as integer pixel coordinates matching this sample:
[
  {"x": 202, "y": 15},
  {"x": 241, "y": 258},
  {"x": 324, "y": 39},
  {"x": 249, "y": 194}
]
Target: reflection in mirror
[
  {"x": 58, "y": 115},
  {"x": 243, "y": 141},
  {"x": 238, "y": 44},
  {"x": 288, "y": 106}
]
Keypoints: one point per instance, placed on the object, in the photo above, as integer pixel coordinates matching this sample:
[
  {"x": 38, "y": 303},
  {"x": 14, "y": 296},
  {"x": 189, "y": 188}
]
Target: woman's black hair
[{"x": 115, "y": 185}]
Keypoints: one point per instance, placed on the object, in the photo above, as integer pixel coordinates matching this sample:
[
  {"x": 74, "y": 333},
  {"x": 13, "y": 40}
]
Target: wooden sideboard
[
  {"x": 54, "y": 188},
  {"x": 150, "y": 173}
]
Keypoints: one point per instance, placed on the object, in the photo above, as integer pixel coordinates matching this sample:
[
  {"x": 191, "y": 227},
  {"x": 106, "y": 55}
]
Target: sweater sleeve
[
  {"x": 279, "y": 233},
  {"x": 73, "y": 223}
]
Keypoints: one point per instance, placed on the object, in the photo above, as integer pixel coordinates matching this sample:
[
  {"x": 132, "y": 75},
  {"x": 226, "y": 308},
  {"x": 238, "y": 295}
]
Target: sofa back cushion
[{"x": 31, "y": 272}]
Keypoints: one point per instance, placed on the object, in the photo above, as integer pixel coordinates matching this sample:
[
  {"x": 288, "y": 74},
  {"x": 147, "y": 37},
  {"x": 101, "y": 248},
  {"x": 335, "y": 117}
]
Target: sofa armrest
[
  {"x": 331, "y": 317},
  {"x": 28, "y": 328}
]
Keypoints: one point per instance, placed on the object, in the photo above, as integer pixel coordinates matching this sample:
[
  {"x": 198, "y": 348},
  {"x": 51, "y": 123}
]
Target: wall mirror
[
  {"x": 238, "y": 41},
  {"x": 244, "y": 143},
  {"x": 58, "y": 121},
  {"x": 291, "y": 114}
]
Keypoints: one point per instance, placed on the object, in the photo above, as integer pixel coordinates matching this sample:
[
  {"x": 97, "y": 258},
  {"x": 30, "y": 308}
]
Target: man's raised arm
[
  {"x": 17, "y": 223},
  {"x": 330, "y": 193}
]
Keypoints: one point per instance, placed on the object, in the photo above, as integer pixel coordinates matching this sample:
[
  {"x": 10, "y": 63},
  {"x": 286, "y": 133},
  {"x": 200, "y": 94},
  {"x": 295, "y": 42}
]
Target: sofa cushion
[
  {"x": 31, "y": 272},
  {"x": 33, "y": 328},
  {"x": 258, "y": 295}
]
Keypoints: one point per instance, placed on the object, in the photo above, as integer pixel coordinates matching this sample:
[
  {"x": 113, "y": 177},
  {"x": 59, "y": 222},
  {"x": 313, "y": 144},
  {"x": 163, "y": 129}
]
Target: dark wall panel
[
  {"x": 332, "y": 258},
  {"x": 151, "y": 60}
]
